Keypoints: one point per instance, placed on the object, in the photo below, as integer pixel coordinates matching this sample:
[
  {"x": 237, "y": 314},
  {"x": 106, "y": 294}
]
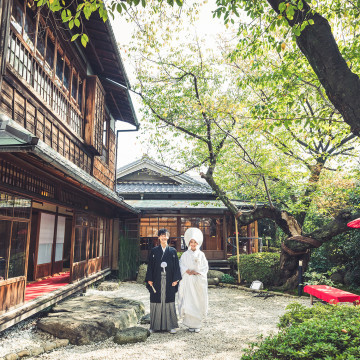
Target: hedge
[
  {"x": 321, "y": 332},
  {"x": 259, "y": 266}
]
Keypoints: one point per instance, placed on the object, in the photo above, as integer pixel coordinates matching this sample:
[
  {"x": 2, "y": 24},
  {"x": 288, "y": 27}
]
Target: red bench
[{"x": 331, "y": 294}]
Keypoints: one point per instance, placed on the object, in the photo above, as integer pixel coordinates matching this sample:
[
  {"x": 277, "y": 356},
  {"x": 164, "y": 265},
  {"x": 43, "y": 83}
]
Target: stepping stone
[
  {"x": 108, "y": 286},
  {"x": 86, "y": 319},
  {"x": 131, "y": 335}
]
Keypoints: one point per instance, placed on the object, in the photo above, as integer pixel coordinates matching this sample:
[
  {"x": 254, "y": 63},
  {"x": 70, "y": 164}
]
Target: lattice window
[
  {"x": 71, "y": 198},
  {"x": 23, "y": 179},
  {"x": 99, "y": 118}
]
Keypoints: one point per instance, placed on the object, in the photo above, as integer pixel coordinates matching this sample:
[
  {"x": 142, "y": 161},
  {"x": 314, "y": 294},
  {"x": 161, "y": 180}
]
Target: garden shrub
[
  {"x": 179, "y": 253},
  {"x": 320, "y": 332},
  {"x": 228, "y": 279},
  {"x": 271, "y": 249},
  {"x": 259, "y": 266},
  {"x": 314, "y": 278}
]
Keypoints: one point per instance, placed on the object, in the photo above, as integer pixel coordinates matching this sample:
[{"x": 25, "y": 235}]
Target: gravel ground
[{"x": 235, "y": 319}]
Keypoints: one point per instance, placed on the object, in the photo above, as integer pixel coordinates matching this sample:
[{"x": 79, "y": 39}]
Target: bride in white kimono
[{"x": 193, "y": 288}]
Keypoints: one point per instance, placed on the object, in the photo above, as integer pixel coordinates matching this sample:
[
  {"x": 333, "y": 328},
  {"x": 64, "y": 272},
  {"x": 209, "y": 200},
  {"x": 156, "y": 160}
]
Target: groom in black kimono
[{"x": 162, "y": 279}]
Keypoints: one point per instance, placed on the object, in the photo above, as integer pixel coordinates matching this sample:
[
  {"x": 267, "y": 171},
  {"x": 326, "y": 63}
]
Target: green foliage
[
  {"x": 129, "y": 257},
  {"x": 315, "y": 278},
  {"x": 259, "y": 266},
  {"x": 227, "y": 279},
  {"x": 72, "y": 15},
  {"x": 179, "y": 253},
  {"x": 271, "y": 249},
  {"x": 319, "y": 332}
]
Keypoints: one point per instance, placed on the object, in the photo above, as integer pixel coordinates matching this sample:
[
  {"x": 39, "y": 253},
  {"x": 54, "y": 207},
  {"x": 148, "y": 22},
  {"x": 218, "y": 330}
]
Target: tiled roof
[
  {"x": 159, "y": 188},
  {"x": 150, "y": 165}
]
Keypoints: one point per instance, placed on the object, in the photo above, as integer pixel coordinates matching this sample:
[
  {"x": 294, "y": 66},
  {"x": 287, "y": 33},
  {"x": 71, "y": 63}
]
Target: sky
[{"x": 129, "y": 143}]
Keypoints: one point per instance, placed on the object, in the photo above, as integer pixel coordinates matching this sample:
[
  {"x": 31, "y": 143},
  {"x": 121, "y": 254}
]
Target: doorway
[{"x": 50, "y": 242}]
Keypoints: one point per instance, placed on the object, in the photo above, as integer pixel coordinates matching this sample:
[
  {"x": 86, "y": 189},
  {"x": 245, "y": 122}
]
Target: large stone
[
  {"x": 35, "y": 351},
  {"x": 108, "y": 286},
  {"x": 11, "y": 356},
  {"x": 141, "y": 274},
  {"x": 213, "y": 281},
  {"x": 23, "y": 353},
  {"x": 49, "y": 346},
  {"x": 131, "y": 335},
  {"x": 86, "y": 319},
  {"x": 145, "y": 319},
  {"x": 61, "y": 342},
  {"x": 215, "y": 274}
]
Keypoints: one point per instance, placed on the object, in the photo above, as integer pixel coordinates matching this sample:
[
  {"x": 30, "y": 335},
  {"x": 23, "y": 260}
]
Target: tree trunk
[
  {"x": 317, "y": 43},
  {"x": 299, "y": 247}
]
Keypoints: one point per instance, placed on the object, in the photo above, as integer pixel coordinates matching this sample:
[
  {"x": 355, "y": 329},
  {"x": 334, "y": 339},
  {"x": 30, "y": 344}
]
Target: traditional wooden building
[
  {"x": 59, "y": 103},
  {"x": 168, "y": 199}
]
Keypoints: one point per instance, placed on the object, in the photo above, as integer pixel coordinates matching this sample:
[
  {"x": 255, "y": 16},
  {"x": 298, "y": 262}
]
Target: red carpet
[{"x": 42, "y": 287}]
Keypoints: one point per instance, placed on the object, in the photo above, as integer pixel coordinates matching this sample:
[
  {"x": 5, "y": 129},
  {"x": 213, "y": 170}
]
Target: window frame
[{"x": 12, "y": 219}]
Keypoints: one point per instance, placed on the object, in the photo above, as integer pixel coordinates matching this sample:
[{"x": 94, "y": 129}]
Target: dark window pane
[
  {"x": 41, "y": 39},
  {"x": 18, "y": 247},
  {"x": 5, "y": 227},
  {"x": 30, "y": 28},
  {"x": 67, "y": 76},
  {"x": 74, "y": 86},
  {"x": 83, "y": 243},
  {"x": 77, "y": 250},
  {"x": 17, "y": 16},
  {"x": 59, "y": 67},
  {"x": 91, "y": 248},
  {"x": 50, "y": 51},
  {"x": 80, "y": 93}
]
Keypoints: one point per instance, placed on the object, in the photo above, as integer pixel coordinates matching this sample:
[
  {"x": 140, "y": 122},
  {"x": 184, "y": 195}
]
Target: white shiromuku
[{"x": 193, "y": 289}]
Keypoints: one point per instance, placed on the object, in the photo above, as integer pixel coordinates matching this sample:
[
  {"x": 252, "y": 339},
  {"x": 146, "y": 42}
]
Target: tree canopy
[{"x": 260, "y": 128}]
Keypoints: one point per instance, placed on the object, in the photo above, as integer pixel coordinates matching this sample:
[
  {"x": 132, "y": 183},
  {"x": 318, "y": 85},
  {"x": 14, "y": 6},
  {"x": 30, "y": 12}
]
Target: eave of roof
[
  {"x": 147, "y": 163},
  {"x": 104, "y": 56},
  {"x": 26, "y": 142}
]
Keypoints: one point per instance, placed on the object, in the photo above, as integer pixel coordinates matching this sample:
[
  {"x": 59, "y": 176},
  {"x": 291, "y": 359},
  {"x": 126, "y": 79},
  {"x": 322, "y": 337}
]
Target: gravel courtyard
[{"x": 235, "y": 319}]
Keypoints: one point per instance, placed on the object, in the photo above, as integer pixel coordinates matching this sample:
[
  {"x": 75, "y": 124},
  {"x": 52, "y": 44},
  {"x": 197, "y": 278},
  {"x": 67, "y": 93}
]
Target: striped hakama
[{"x": 163, "y": 314}]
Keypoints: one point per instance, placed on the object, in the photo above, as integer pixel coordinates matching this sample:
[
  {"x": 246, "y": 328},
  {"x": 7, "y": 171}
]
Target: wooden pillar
[
  {"x": 225, "y": 236},
  {"x": 256, "y": 235},
  {"x": 53, "y": 250},
  {"x": 87, "y": 229},
  {"x": 115, "y": 245},
  {"x": 248, "y": 243},
  {"x": 237, "y": 249},
  {"x": 72, "y": 248},
  {"x": 27, "y": 249}
]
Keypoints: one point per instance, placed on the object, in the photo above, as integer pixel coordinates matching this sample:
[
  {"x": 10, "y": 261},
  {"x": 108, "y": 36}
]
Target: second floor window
[
  {"x": 105, "y": 140},
  {"x": 38, "y": 56}
]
